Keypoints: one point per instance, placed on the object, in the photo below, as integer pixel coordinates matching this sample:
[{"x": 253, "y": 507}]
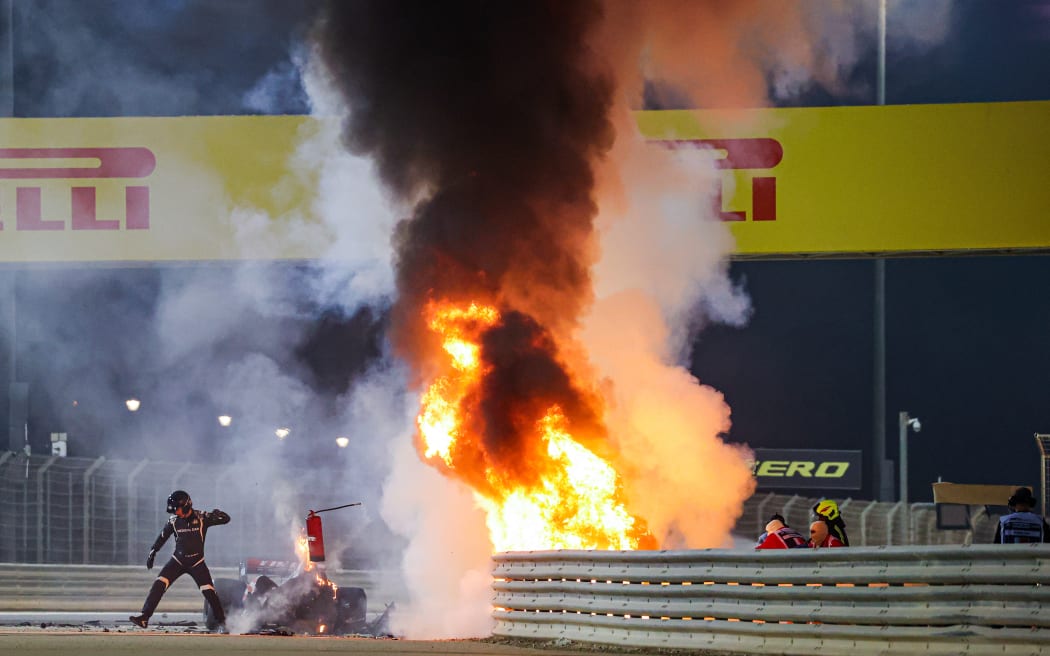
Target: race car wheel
[
  {"x": 231, "y": 594},
  {"x": 263, "y": 585},
  {"x": 352, "y": 607}
]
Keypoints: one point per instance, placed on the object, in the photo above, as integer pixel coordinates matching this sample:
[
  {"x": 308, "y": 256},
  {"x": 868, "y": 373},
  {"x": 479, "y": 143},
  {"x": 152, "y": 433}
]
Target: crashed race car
[{"x": 275, "y": 596}]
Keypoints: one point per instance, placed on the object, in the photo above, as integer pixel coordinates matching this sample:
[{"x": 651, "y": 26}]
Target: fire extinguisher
[
  {"x": 315, "y": 537},
  {"x": 315, "y": 532}
]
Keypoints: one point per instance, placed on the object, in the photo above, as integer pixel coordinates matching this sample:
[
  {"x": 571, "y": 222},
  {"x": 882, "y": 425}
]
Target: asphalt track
[{"x": 34, "y": 641}]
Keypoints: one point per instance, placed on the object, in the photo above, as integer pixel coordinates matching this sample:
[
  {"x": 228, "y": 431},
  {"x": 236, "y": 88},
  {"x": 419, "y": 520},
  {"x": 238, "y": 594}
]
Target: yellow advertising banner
[
  {"x": 155, "y": 189},
  {"x": 861, "y": 180},
  {"x": 797, "y": 182}
]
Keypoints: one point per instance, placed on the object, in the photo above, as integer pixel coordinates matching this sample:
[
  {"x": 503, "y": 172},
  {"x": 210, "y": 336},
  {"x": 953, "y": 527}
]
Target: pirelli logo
[
  {"x": 41, "y": 174},
  {"x": 753, "y": 154},
  {"x": 807, "y": 469}
]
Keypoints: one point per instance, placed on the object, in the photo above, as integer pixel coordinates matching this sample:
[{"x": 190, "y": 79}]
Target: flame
[
  {"x": 438, "y": 421},
  {"x": 302, "y": 551},
  {"x": 574, "y": 502}
]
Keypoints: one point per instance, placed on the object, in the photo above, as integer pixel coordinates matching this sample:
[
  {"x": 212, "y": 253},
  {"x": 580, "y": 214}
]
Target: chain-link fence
[
  {"x": 868, "y": 523},
  {"x": 109, "y": 512}
]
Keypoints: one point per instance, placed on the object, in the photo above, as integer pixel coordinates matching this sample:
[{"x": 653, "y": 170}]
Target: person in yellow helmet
[{"x": 828, "y": 510}]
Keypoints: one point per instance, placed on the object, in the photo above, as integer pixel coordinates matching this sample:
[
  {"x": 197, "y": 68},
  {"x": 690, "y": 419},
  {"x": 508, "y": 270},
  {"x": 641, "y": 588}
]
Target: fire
[
  {"x": 302, "y": 551},
  {"x": 438, "y": 421},
  {"x": 567, "y": 498}
]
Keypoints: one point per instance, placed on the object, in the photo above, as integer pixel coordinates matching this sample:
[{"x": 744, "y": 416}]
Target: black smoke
[{"x": 488, "y": 119}]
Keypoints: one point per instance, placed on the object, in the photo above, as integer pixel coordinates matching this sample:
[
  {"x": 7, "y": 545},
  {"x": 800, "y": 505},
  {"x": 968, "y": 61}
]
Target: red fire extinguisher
[
  {"x": 315, "y": 532},
  {"x": 315, "y": 537}
]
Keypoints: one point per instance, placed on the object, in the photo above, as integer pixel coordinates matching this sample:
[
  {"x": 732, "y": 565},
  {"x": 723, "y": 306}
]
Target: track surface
[{"x": 33, "y": 641}]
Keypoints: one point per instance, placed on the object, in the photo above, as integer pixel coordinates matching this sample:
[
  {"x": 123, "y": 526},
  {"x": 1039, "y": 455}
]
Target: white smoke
[
  {"x": 226, "y": 335},
  {"x": 663, "y": 274},
  {"x": 448, "y": 558},
  {"x": 841, "y": 34},
  {"x": 446, "y": 561}
]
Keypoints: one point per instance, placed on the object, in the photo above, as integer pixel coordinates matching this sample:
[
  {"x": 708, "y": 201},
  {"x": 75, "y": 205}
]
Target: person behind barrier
[
  {"x": 820, "y": 536},
  {"x": 189, "y": 527},
  {"x": 828, "y": 510},
  {"x": 779, "y": 535},
  {"x": 1022, "y": 525}
]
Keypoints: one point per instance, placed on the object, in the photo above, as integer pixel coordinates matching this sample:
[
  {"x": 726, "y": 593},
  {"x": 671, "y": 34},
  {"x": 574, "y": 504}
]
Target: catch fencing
[
  {"x": 868, "y": 523},
  {"x": 980, "y": 599},
  {"x": 108, "y": 512}
]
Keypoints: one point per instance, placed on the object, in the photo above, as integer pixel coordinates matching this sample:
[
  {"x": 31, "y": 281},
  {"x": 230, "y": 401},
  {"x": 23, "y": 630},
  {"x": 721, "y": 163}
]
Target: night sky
[{"x": 968, "y": 338}]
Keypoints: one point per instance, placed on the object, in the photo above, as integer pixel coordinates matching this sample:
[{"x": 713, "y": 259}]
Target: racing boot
[{"x": 139, "y": 620}]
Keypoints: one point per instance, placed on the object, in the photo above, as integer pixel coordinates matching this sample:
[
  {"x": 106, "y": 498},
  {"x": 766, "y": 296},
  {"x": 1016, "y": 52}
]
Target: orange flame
[
  {"x": 302, "y": 551},
  {"x": 575, "y": 502}
]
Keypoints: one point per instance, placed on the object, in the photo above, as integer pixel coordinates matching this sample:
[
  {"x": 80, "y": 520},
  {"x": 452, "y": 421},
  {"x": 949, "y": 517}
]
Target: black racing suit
[{"x": 189, "y": 535}]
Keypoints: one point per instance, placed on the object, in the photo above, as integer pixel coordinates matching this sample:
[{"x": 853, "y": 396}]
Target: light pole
[
  {"x": 905, "y": 422},
  {"x": 882, "y": 486}
]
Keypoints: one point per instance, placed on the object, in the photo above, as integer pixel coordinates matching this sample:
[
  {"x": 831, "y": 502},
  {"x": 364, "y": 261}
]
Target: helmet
[
  {"x": 827, "y": 508},
  {"x": 1022, "y": 495},
  {"x": 179, "y": 499},
  {"x": 775, "y": 523}
]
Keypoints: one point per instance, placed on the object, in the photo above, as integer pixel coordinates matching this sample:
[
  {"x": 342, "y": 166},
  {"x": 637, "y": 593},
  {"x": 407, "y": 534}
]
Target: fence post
[
  {"x": 763, "y": 515},
  {"x": 931, "y": 520},
  {"x": 131, "y": 508},
  {"x": 178, "y": 475},
  {"x": 4, "y": 457},
  {"x": 787, "y": 506},
  {"x": 864, "y": 523},
  {"x": 40, "y": 508},
  {"x": 890, "y": 517},
  {"x": 89, "y": 496},
  {"x": 220, "y": 486}
]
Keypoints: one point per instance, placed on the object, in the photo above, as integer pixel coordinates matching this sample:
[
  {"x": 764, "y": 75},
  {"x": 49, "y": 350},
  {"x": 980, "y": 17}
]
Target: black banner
[{"x": 816, "y": 469}]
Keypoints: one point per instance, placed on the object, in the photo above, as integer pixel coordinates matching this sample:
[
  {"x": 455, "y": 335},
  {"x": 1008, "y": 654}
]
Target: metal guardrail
[
  {"x": 91, "y": 588},
  {"x": 904, "y": 600}
]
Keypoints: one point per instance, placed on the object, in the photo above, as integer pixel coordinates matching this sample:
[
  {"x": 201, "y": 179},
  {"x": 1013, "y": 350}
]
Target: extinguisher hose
[{"x": 348, "y": 505}]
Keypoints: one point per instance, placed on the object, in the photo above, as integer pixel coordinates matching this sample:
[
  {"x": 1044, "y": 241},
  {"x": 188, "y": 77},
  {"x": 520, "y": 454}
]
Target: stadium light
[
  {"x": 905, "y": 422},
  {"x": 132, "y": 404},
  {"x": 342, "y": 442},
  {"x": 225, "y": 420},
  {"x": 282, "y": 433}
]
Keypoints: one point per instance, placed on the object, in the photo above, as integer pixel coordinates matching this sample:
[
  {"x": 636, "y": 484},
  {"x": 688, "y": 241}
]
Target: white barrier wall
[{"x": 984, "y": 599}]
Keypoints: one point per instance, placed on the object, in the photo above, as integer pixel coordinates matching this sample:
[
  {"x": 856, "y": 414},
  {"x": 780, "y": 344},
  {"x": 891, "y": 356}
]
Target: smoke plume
[{"x": 507, "y": 131}]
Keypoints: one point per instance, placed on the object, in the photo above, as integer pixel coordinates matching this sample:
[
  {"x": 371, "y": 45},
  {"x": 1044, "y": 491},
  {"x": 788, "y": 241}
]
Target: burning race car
[
  {"x": 284, "y": 596},
  {"x": 304, "y": 601}
]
